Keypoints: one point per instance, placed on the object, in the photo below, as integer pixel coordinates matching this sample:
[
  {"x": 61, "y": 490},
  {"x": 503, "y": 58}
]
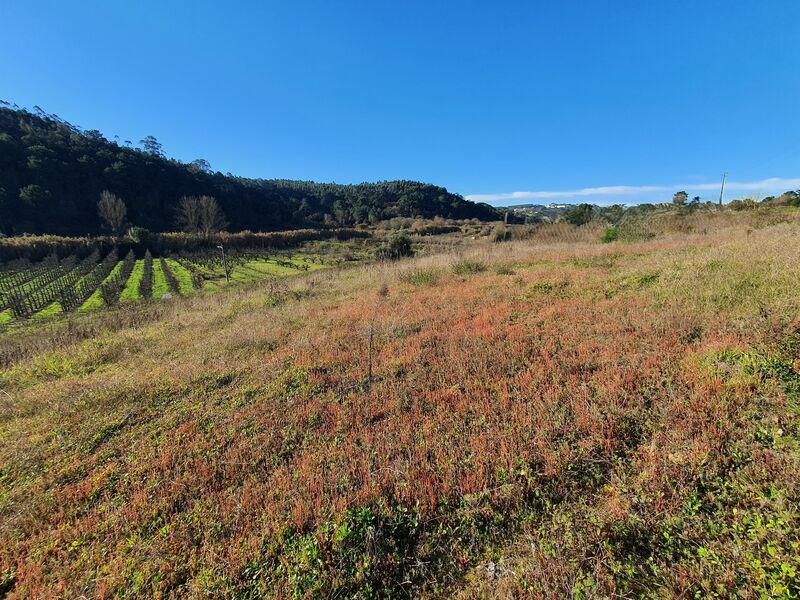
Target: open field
[
  {"x": 543, "y": 419},
  {"x": 400, "y": 301}
]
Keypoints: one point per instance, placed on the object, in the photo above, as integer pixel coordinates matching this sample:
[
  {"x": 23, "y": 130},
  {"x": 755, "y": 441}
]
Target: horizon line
[{"x": 762, "y": 185}]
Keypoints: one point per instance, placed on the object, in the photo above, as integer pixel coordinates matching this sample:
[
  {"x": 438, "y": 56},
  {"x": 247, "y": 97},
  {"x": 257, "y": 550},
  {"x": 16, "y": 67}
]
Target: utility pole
[
  {"x": 722, "y": 188},
  {"x": 224, "y": 264}
]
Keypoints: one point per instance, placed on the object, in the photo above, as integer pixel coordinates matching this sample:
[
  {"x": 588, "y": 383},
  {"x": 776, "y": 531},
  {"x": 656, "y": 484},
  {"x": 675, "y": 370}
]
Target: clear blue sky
[{"x": 485, "y": 98}]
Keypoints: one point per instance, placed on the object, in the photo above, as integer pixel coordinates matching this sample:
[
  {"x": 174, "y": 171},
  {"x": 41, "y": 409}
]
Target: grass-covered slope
[{"x": 542, "y": 420}]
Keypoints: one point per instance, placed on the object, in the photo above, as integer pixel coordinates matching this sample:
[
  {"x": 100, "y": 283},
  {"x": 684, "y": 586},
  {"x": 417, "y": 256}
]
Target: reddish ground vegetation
[{"x": 578, "y": 422}]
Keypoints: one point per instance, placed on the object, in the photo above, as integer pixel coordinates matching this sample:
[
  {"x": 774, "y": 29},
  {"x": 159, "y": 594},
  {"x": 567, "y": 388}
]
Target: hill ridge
[{"x": 52, "y": 174}]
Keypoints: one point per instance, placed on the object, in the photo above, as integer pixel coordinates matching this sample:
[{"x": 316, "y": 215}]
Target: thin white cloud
[{"x": 772, "y": 184}]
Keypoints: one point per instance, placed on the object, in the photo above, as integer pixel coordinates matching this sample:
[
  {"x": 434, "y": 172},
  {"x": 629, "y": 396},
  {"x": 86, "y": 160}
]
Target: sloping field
[
  {"x": 542, "y": 420},
  {"x": 52, "y": 288}
]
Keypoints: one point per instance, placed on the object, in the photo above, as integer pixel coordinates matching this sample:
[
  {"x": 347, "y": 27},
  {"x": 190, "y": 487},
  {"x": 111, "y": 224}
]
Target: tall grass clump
[
  {"x": 469, "y": 266},
  {"x": 421, "y": 276}
]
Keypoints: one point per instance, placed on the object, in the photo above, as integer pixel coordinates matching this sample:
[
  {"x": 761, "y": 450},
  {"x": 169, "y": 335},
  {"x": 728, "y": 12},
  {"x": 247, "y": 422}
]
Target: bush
[
  {"x": 140, "y": 236},
  {"x": 469, "y": 267},
  {"x": 398, "y": 247},
  {"x": 611, "y": 234}
]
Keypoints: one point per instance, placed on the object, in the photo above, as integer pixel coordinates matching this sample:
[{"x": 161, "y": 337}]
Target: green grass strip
[
  {"x": 50, "y": 310},
  {"x": 131, "y": 291},
  {"x": 241, "y": 274}
]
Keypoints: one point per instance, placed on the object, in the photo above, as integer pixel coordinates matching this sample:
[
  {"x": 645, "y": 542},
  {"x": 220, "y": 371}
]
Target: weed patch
[
  {"x": 421, "y": 277},
  {"x": 469, "y": 267}
]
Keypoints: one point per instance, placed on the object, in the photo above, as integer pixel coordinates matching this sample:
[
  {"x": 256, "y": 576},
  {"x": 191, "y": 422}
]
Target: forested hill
[{"x": 52, "y": 174}]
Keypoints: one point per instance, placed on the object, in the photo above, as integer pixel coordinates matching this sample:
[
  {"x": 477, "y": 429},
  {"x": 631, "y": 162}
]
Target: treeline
[
  {"x": 681, "y": 205},
  {"x": 36, "y": 248},
  {"x": 52, "y": 174}
]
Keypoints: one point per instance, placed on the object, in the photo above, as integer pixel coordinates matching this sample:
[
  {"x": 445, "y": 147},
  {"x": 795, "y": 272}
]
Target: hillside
[
  {"x": 52, "y": 174},
  {"x": 544, "y": 419}
]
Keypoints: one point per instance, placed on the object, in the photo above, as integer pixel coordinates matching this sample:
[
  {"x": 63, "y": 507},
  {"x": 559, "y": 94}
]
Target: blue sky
[{"x": 508, "y": 102}]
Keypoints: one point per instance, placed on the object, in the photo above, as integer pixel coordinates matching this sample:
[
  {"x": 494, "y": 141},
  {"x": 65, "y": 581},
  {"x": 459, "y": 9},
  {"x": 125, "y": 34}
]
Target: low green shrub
[
  {"x": 469, "y": 267},
  {"x": 611, "y": 234}
]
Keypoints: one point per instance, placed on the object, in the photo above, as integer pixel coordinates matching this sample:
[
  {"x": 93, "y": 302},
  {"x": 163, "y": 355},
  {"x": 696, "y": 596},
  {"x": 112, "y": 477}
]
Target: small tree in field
[
  {"x": 112, "y": 211},
  {"x": 200, "y": 214},
  {"x": 398, "y": 247},
  {"x": 680, "y": 198}
]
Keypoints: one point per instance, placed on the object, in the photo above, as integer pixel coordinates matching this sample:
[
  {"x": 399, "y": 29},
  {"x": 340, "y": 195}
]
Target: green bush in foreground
[{"x": 611, "y": 234}]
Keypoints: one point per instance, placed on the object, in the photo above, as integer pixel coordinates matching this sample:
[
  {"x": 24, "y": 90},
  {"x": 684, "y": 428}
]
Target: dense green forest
[{"x": 52, "y": 174}]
